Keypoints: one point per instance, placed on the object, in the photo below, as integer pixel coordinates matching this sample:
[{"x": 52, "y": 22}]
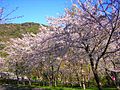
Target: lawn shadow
[{"x": 11, "y": 87}]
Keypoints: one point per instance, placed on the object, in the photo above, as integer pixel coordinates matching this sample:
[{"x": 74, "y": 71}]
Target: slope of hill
[
  {"x": 8, "y": 31},
  {"x": 16, "y": 30}
]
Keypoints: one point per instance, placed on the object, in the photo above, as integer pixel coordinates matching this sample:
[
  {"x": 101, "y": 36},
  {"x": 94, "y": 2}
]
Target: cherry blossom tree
[
  {"x": 92, "y": 25},
  {"x": 1, "y": 63},
  {"x": 25, "y": 54},
  {"x": 88, "y": 29}
]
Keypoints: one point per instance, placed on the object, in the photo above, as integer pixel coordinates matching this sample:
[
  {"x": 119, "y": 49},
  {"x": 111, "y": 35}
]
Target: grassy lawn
[
  {"x": 66, "y": 88},
  {"x": 21, "y": 87}
]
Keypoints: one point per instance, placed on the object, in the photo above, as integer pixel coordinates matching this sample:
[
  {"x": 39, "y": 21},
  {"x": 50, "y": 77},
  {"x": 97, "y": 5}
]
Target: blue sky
[{"x": 34, "y": 10}]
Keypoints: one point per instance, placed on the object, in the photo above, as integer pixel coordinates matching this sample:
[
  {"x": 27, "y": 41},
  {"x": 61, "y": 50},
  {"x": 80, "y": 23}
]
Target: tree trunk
[
  {"x": 117, "y": 81},
  {"x": 29, "y": 81},
  {"x": 17, "y": 79},
  {"x": 84, "y": 86},
  {"x": 23, "y": 81},
  {"x": 97, "y": 79},
  {"x": 55, "y": 81},
  {"x": 78, "y": 80},
  {"x": 52, "y": 76}
]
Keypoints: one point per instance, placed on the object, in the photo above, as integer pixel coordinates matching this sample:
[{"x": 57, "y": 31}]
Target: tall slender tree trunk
[
  {"x": 84, "y": 85},
  {"x": 23, "y": 81},
  {"x": 17, "y": 79},
  {"x": 96, "y": 77},
  {"x": 16, "y": 72},
  {"x": 83, "y": 77},
  {"x": 78, "y": 80},
  {"x": 52, "y": 76},
  {"x": 29, "y": 81}
]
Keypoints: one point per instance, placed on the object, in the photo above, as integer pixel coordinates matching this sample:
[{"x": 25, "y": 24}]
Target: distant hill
[
  {"x": 16, "y": 30},
  {"x": 8, "y": 31}
]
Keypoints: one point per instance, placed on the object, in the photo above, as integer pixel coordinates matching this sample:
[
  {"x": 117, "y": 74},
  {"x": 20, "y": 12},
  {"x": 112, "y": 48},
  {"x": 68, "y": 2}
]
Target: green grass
[
  {"x": 67, "y": 88},
  {"x": 27, "y": 87},
  {"x": 64, "y": 88}
]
